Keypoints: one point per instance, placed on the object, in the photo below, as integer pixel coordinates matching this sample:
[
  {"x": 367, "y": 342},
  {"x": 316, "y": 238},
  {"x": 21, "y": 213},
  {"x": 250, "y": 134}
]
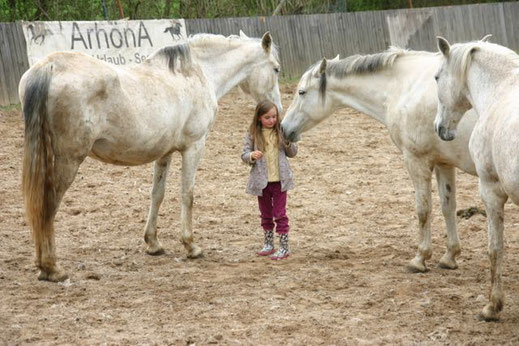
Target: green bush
[{"x": 29, "y": 10}]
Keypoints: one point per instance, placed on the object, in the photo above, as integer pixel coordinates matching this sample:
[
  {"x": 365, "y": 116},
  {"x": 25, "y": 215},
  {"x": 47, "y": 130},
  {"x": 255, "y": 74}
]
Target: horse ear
[
  {"x": 486, "y": 38},
  {"x": 336, "y": 58},
  {"x": 266, "y": 41},
  {"x": 443, "y": 46},
  {"x": 322, "y": 68},
  {"x": 242, "y": 34}
]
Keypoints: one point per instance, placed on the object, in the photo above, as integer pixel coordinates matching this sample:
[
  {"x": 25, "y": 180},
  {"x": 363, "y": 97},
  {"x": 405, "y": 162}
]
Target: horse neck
[
  {"x": 226, "y": 68},
  {"x": 488, "y": 79},
  {"x": 365, "y": 93},
  {"x": 374, "y": 93}
]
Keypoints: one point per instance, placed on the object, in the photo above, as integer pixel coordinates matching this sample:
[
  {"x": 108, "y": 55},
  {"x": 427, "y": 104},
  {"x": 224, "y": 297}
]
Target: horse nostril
[
  {"x": 437, "y": 128},
  {"x": 445, "y": 134},
  {"x": 441, "y": 132}
]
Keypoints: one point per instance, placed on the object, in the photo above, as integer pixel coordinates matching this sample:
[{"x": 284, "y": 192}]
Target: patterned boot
[
  {"x": 283, "y": 251},
  {"x": 268, "y": 244}
]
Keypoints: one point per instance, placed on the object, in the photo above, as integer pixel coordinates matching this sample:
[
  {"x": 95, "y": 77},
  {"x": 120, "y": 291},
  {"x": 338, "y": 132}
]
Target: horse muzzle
[
  {"x": 290, "y": 134},
  {"x": 445, "y": 133}
]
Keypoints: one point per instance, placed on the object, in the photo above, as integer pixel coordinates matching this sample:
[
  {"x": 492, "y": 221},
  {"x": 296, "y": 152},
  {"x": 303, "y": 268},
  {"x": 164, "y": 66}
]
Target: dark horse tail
[{"x": 38, "y": 176}]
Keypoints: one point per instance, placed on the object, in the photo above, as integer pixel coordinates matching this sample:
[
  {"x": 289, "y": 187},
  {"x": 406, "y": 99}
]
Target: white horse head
[
  {"x": 453, "y": 96},
  {"x": 239, "y": 60},
  {"x": 324, "y": 87},
  {"x": 310, "y": 105},
  {"x": 262, "y": 82}
]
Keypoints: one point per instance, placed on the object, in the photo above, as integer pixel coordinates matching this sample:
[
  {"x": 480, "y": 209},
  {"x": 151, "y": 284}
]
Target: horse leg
[
  {"x": 65, "y": 171},
  {"x": 421, "y": 175},
  {"x": 160, "y": 174},
  {"x": 494, "y": 199},
  {"x": 190, "y": 159},
  {"x": 446, "y": 179}
]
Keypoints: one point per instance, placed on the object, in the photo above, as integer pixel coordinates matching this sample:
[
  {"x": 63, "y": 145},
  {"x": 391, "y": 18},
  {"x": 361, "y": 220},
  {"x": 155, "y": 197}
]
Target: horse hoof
[
  {"x": 195, "y": 252},
  {"x": 489, "y": 314},
  {"x": 416, "y": 267},
  {"x": 155, "y": 252},
  {"x": 415, "y": 270},
  {"x": 54, "y": 276},
  {"x": 448, "y": 265},
  {"x": 448, "y": 262}
]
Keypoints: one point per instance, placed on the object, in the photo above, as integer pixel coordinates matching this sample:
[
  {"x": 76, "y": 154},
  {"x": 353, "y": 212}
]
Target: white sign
[{"x": 119, "y": 42}]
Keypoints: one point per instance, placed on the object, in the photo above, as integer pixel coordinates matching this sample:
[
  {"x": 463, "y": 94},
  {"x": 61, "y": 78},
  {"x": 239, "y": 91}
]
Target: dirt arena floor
[{"x": 353, "y": 229}]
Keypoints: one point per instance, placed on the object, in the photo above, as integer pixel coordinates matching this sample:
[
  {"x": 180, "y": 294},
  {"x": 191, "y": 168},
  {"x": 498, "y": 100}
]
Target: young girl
[{"x": 270, "y": 176}]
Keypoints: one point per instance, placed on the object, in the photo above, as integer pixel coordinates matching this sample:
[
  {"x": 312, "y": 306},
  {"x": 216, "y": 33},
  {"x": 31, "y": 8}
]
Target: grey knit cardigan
[{"x": 258, "y": 173}]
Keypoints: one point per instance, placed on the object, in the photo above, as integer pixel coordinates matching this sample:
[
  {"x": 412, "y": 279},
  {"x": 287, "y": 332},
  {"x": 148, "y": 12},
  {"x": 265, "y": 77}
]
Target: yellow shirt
[{"x": 271, "y": 154}]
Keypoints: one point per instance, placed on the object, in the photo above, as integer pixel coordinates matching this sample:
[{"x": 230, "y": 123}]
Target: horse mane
[
  {"x": 360, "y": 64},
  {"x": 171, "y": 54},
  {"x": 460, "y": 55}
]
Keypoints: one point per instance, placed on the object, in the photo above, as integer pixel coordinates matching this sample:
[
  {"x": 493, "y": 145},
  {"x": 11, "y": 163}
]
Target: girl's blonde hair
[{"x": 255, "y": 127}]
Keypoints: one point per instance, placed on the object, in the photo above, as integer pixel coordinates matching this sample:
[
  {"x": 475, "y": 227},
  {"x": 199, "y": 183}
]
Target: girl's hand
[{"x": 256, "y": 155}]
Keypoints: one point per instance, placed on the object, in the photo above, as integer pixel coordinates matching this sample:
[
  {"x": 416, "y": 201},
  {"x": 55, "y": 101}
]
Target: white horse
[
  {"x": 76, "y": 106},
  {"x": 396, "y": 88},
  {"x": 485, "y": 76}
]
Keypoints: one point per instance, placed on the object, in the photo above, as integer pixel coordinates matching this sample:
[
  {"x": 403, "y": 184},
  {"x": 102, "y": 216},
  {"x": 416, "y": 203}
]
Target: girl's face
[{"x": 269, "y": 119}]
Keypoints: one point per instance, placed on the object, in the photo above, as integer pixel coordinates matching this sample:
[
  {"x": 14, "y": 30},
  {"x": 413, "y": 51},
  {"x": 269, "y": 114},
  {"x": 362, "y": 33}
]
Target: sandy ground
[{"x": 353, "y": 231}]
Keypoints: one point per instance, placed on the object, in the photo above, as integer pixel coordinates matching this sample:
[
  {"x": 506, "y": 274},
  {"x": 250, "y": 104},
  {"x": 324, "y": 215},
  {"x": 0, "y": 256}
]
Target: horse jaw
[{"x": 297, "y": 122}]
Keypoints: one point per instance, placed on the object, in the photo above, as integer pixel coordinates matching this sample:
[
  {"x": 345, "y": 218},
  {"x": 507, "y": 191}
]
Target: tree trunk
[
  {"x": 167, "y": 8},
  {"x": 12, "y": 10},
  {"x": 133, "y": 14},
  {"x": 121, "y": 12},
  {"x": 105, "y": 10},
  {"x": 278, "y": 9},
  {"x": 41, "y": 10}
]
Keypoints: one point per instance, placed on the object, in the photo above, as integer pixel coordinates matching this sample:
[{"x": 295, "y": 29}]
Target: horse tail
[{"x": 38, "y": 176}]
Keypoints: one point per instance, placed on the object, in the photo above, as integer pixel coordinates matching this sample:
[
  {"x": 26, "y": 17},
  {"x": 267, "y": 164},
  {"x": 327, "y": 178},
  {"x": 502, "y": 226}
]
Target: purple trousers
[{"x": 272, "y": 206}]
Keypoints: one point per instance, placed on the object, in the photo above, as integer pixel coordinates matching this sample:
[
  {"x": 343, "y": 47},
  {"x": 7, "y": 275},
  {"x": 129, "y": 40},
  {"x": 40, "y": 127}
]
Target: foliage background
[{"x": 31, "y": 10}]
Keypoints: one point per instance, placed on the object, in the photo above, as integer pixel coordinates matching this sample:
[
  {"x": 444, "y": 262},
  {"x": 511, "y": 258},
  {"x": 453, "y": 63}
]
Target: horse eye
[
  {"x": 276, "y": 69},
  {"x": 302, "y": 92},
  {"x": 436, "y": 77}
]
